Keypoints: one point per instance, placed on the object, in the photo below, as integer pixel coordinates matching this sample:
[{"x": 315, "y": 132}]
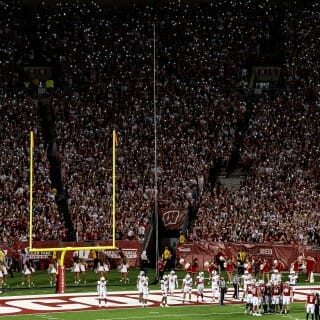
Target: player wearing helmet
[
  {"x": 140, "y": 283},
  {"x": 145, "y": 291},
  {"x": 102, "y": 291},
  {"x": 200, "y": 286},
  {"x": 287, "y": 293},
  {"x": 310, "y": 304},
  {"x": 187, "y": 287},
  {"x": 164, "y": 291},
  {"x": 214, "y": 280},
  {"x": 292, "y": 281},
  {"x": 173, "y": 282},
  {"x": 275, "y": 297}
]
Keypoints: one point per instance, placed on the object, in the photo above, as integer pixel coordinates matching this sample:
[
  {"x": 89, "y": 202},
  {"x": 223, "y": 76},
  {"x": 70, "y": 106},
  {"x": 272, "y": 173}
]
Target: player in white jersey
[
  {"x": 276, "y": 276},
  {"x": 102, "y": 291},
  {"x": 292, "y": 278},
  {"x": 292, "y": 282},
  {"x": 214, "y": 280},
  {"x": 140, "y": 284},
  {"x": 200, "y": 286},
  {"x": 164, "y": 291},
  {"x": 145, "y": 292},
  {"x": 173, "y": 282},
  {"x": 187, "y": 287}
]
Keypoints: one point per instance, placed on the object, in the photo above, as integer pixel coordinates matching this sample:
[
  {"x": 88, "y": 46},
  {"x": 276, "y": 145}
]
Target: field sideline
[
  {"x": 80, "y": 302},
  {"x": 125, "y": 305},
  {"x": 232, "y": 312}
]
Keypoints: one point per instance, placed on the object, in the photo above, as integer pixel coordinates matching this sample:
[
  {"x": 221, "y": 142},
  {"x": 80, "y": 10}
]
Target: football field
[
  {"x": 125, "y": 305},
  {"x": 80, "y": 301},
  {"x": 230, "y": 312}
]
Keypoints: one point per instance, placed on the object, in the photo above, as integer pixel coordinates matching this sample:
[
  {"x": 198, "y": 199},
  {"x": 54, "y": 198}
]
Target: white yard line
[{"x": 117, "y": 293}]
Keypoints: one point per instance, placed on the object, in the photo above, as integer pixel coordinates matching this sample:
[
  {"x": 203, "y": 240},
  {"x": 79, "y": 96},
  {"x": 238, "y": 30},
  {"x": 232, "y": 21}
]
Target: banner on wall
[
  {"x": 208, "y": 251},
  {"x": 130, "y": 249},
  {"x": 173, "y": 219}
]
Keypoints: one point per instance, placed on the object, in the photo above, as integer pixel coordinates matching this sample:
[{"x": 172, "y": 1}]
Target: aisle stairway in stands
[
  {"x": 233, "y": 181},
  {"x": 266, "y": 75},
  {"x": 47, "y": 116}
]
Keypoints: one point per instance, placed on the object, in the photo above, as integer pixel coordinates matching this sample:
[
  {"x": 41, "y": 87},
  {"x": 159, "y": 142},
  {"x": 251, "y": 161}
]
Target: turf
[
  {"x": 41, "y": 280},
  {"x": 230, "y": 312},
  {"x": 42, "y": 286}
]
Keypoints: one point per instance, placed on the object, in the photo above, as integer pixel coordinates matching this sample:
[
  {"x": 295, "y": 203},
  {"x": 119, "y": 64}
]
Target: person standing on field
[
  {"x": 223, "y": 290},
  {"x": 102, "y": 291},
  {"x": 166, "y": 257},
  {"x": 310, "y": 305}
]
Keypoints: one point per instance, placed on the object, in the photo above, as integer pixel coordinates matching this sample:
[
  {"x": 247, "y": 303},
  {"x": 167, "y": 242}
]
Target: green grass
[
  {"x": 42, "y": 286},
  {"x": 229, "y": 312},
  {"x": 41, "y": 280}
]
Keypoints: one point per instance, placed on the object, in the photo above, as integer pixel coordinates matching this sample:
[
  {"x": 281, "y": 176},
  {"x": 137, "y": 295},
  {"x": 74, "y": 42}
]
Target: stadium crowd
[
  {"x": 279, "y": 199},
  {"x": 103, "y": 58}
]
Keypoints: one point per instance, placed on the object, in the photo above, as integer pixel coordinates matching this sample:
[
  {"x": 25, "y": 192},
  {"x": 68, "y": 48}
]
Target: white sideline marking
[
  {"x": 305, "y": 289},
  {"x": 34, "y": 304},
  {"x": 176, "y": 315}
]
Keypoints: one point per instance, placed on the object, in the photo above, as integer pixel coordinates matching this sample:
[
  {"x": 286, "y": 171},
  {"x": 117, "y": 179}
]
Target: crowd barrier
[
  {"x": 207, "y": 251},
  {"x": 202, "y": 251},
  {"x": 130, "y": 249}
]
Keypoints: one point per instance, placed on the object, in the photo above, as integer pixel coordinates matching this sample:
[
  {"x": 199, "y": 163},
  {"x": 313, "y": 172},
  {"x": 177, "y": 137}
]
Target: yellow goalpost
[{"x": 63, "y": 250}]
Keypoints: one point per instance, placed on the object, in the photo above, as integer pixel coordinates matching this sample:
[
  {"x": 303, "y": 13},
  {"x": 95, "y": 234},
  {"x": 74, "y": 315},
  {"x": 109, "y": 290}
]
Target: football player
[
  {"x": 200, "y": 286},
  {"x": 173, "y": 282},
  {"x": 102, "y": 291},
  {"x": 287, "y": 293},
  {"x": 187, "y": 287},
  {"x": 164, "y": 291},
  {"x": 214, "y": 280},
  {"x": 140, "y": 284}
]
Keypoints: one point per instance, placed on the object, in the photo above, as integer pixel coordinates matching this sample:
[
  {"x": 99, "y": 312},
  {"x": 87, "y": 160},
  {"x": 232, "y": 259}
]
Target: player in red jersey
[
  {"x": 256, "y": 294},
  {"x": 275, "y": 298},
  {"x": 212, "y": 267},
  {"x": 287, "y": 294},
  {"x": 310, "y": 304},
  {"x": 248, "y": 295},
  {"x": 310, "y": 264},
  {"x": 266, "y": 297}
]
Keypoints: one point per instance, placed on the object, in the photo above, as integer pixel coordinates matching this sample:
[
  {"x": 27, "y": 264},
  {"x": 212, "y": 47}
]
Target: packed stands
[{"x": 102, "y": 61}]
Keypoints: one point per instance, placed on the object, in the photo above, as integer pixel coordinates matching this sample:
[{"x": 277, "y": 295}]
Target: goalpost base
[{"x": 61, "y": 279}]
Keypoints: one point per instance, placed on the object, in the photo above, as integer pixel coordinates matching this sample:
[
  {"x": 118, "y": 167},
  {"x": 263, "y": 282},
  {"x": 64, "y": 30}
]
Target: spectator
[{"x": 203, "y": 70}]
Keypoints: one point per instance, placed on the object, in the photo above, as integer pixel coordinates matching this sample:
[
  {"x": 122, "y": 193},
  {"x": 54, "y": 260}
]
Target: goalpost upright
[{"x": 64, "y": 250}]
